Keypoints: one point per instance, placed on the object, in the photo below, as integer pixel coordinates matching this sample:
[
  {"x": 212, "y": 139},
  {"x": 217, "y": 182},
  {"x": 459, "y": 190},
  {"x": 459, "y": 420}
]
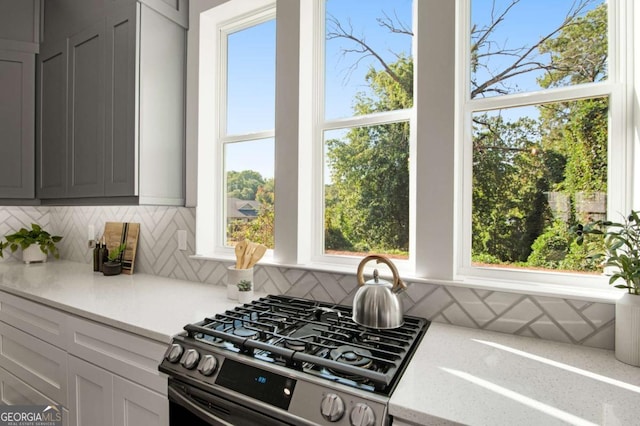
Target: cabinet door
[
  {"x": 51, "y": 155},
  {"x": 90, "y": 394},
  {"x": 86, "y": 113},
  {"x": 120, "y": 100},
  {"x": 136, "y": 405},
  {"x": 17, "y": 111}
]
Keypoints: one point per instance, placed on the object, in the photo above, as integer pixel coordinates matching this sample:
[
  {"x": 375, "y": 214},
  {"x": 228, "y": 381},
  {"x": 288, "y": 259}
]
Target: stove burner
[
  {"x": 245, "y": 332},
  {"x": 310, "y": 337},
  {"x": 304, "y": 336},
  {"x": 351, "y": 355}
]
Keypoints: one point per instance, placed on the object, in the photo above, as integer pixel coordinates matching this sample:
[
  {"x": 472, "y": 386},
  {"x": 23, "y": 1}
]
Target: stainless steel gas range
[{"x": 286, "y": 361}]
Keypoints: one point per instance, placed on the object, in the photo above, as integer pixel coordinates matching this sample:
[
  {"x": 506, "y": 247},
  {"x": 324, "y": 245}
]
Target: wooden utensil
[
  {"x": 251, "y": 246},
  {"x": 240, "y": 248},
  {"x": 257, "y": 254}
]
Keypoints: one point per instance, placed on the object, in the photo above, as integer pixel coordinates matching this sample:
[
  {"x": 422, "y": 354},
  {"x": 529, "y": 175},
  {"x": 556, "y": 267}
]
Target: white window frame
[
  {"x": 440, "y": 167},
  {"x": 214, "y": 26},
  {"x": 321, "y": 125},
  {"x": 618, "y": 192}
]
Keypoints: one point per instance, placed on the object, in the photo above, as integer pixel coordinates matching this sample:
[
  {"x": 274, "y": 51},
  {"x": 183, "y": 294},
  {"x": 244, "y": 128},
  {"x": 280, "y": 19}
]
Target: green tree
[
  {"x": 577, "y": 130},
  {"x": 244, "y": 185},
  {"x": 515, "y": 164},
  {"x": 509, "y": 180},
  {"x": 250, "y": 185},
  {"x": 369, "y": 201}
]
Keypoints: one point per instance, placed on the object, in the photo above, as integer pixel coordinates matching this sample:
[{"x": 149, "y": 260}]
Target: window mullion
[{"x": 434, "y": 151}]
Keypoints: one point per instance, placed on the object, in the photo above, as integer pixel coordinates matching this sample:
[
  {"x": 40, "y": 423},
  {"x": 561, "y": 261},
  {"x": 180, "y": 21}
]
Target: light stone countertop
[
  {"x": 476, "y": 377},
  {"x": 148, "y": 305},
  {"x": 458, "y": 375}
]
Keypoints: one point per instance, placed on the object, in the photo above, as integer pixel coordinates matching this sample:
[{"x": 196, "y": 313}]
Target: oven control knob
[
  {"x": 332, "y": 407},
  {"x": 362, "y": 415},
  {"x": 190, "y": 359},
  {"x": 174, "y": 353},
  {"x": 208, "y": 365}
]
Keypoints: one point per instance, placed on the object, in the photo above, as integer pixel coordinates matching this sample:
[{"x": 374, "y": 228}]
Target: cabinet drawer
[
  {"x": 120, "y": 352},
  {"x": 36, "y": 362},
  {"x": 14, "y": 391},
  {"x": 36, "y": 319}
]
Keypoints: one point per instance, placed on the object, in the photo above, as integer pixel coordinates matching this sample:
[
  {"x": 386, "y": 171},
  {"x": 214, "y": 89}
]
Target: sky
[{"x": 252, "y": 63}]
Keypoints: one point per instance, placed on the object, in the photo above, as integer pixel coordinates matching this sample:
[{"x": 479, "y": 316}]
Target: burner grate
[{"x": 314, "y": 337}]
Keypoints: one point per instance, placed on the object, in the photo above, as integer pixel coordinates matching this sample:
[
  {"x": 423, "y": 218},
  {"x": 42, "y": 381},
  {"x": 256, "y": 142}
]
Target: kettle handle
[{"x": 398, "y": 285}]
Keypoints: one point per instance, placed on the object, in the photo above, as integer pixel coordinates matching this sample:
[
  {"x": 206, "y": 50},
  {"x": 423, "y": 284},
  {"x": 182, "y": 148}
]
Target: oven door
[{"x": 192, "y": 406}]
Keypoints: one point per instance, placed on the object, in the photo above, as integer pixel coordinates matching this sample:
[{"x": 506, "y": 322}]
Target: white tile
[
  {"x": 603, "y": 338},
  {"x": 472, "y": 304},
  {"x": 578, "y": 304},
  {"x": 515, "y": 318},
  {"x": 547, "y": 329},
  {"x": 430, "y": 306},
  {"x": 457, "y": 316},
  {"x": 600, "y": 313},
  {"x": 565, "y": 316},
  {"x": 501, "y": 301},
  {"x": 331, "y": 285},
  {"x": 417, "y": 291}
]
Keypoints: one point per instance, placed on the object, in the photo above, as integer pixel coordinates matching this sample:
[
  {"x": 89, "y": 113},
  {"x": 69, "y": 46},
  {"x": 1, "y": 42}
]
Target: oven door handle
[{"x": 179, "y": 398}]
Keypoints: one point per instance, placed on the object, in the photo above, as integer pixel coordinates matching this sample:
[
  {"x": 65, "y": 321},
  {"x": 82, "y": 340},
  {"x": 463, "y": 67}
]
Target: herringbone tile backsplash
[{"x": 564, "y": 320}]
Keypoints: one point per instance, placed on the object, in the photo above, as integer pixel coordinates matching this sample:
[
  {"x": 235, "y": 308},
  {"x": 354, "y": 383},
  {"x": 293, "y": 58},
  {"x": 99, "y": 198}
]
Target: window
[
  {"x": 538, "y": 107},
  {"x": 365, "y": 128},
  {"x": 237, "y": 81},
  {"x": 422, "y": 130}
]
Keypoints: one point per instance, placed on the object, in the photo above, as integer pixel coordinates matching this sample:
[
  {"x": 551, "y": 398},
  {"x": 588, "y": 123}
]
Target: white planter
[
  {"x": 235, "y": 276},
  {"x": 33, "y": 254},
  {"x": 628, "y": 329},
  {"x": 245, "y": 296},
  {"x": 232, "y": 292}
]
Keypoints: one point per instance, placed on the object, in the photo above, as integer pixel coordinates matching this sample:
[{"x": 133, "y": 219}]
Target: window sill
[{"x": 605, "y": 294}]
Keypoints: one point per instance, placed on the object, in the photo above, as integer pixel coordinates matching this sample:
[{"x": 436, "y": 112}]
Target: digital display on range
[{"x": 262, "y": 385}]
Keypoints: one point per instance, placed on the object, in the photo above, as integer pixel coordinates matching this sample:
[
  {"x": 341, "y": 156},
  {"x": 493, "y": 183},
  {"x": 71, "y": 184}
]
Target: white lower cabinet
[
  {"x": 135, "y": 405},
  {"x": 100, "y": 398},
  {"x": 90, "y": 394},
  {"x": 40, "y": 364},
  {"x": 14, "y": 391},
  {"x": 102, "y": 376}
]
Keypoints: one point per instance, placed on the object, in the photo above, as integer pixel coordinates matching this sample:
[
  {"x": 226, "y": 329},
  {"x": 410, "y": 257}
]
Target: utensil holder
[{"x": 234, "y": 277}]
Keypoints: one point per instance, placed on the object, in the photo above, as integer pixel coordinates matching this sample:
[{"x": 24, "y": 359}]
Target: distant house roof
[{"x": 242, "y": 209}]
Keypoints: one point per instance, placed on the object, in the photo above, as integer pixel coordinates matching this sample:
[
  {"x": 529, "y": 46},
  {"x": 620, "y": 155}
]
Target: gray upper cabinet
[
  {"x": 17, "y": 111},
  {"x": 19, "y": 43},
  {"x": 122, "y": 138},
  {"x": 120, "y": 103},
  {"x": 86, "y": 113},
  {"x": 52, "y": 115}
]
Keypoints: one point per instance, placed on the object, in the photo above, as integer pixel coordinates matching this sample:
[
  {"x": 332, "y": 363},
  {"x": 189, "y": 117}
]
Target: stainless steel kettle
[{"x": 376, "y": 303}]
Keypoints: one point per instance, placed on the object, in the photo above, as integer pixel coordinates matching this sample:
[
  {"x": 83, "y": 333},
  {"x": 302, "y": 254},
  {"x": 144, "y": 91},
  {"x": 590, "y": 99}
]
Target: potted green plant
[
  {"x": 245, "y": 291},
  {"x": 621, "y": 257},
  {"x": 36, "y": 244},
  {"x": 113, "y": 265}
]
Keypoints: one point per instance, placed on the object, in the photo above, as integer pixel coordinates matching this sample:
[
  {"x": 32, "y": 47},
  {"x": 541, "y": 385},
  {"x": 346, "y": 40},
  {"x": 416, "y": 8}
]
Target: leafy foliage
[
  {"x": 244, "y": 285},
  {"x": 244, "y": 185},
  {"x": 516, "y": 163},
  {"x": 260, "y": 229},
  {"x": 622, "y": 249},
  {"x": 115, "y": 255},
  {"x": 36, "y": 235},
  {"x": 368, "y": 201}
]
